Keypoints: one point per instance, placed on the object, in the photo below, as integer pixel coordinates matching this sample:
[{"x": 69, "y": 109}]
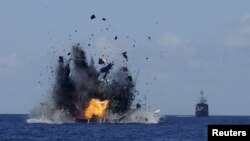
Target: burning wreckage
[{"x": 88, "y": 95}]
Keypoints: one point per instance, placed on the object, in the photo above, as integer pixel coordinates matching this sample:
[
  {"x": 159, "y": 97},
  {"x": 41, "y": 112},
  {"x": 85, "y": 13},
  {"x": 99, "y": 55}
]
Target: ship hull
[
  {"x": 93, "y": 120},
  {"x": 201, "y": 110},
  {"x": 201, "y": 113},
  {"x": 96, "y": 120}
]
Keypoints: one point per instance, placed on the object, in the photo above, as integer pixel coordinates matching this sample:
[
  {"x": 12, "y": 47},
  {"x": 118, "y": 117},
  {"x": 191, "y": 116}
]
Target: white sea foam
[
  {"x": 40, "y": 120},
  {"x": 140, "y": 116},
  {"x": 46, "y": 113}
]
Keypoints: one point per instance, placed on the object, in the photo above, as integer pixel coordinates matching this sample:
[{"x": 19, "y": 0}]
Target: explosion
[
  {"x": 81, "y": 87},
  {"x": 83, "y": 93},
  {"x": 96, "y": 108}
]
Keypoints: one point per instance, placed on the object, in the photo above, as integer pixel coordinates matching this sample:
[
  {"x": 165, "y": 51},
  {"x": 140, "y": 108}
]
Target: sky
[{"x": 195, "y": 45}]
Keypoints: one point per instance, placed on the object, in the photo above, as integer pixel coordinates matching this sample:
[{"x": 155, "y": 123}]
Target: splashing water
[
  {"x": 140, "y": 116},
  {"x": 47, "y": 113}
]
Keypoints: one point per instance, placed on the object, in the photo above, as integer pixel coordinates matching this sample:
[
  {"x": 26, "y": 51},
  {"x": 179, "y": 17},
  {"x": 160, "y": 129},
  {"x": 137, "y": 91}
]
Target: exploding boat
[
  {"x": 92, "y": 95},
  {"x": 82, "y": 92}
]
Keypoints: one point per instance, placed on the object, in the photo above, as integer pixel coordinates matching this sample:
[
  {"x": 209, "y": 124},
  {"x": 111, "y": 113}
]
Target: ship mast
[{"x": 202, "y": 98}]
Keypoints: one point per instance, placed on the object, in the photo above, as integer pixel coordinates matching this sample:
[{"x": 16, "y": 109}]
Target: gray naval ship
[{"x": 201, "y": 108}]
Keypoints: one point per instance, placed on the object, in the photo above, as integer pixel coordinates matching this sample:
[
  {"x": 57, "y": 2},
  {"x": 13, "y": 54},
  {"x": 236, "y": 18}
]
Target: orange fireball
[{"x": 96, "y": 108}]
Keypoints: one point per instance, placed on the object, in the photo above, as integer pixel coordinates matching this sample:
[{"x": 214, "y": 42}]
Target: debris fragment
[
  {"x": 149, "y": 38},
  {"x": 92, "y": 17},
  {"x": 101, "y": 61},
  {"x": 124, "y": 69},
  {"x": 124, "y": 54},
  {"x": 129, "y": 78},
  {"x": 106, "y": 68},
  {"x": 138, "y": 105}
]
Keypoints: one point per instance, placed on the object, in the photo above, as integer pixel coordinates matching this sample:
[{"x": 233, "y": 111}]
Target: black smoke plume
[{"x": 78, "y": 81}]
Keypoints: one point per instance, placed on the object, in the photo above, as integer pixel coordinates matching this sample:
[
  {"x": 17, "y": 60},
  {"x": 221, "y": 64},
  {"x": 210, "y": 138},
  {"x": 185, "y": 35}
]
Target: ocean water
[{"x": 170, "y": 128}]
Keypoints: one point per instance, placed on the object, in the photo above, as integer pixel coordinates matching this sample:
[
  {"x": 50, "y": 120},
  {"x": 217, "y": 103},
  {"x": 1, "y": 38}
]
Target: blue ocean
[{"x": 170, "y": 128}]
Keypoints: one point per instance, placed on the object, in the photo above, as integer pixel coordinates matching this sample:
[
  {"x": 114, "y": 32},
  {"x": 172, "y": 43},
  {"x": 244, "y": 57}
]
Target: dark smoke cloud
[{"x": 78, "y": 81}]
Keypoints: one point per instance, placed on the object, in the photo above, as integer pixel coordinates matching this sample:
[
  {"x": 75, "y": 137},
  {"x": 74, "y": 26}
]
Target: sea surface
[{"x": 170, "y": 128}]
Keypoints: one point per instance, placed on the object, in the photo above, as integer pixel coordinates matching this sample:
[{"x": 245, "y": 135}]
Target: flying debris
[
  {"x": 60, "y": 59},
  {"x": 92, "y": 17},
  {"x": 124, "y": 54},
  {"x": 157, "y": 111},
  {"x": 129, "y": 78},
  {"x": 149, "y": 38},
  {"x": 106, "y": 69},
  {"x": 138, "y": 105},
  {"x": 101, "y": 61},
  {"x": 124, "y": 69},
  {"x": 83, "y": 91}
]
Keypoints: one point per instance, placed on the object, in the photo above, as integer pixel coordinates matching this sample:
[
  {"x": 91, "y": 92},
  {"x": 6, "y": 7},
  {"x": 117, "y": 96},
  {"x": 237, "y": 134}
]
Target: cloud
[
  {"x": 9, "y": 61},
  {"x": 238, "y": 35},
  {"x": 168, "y": 39},
  {"x": 175, "y": 45},
  {"x": 245, "y": 18},
  {"x": 199, "y": 65}
]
